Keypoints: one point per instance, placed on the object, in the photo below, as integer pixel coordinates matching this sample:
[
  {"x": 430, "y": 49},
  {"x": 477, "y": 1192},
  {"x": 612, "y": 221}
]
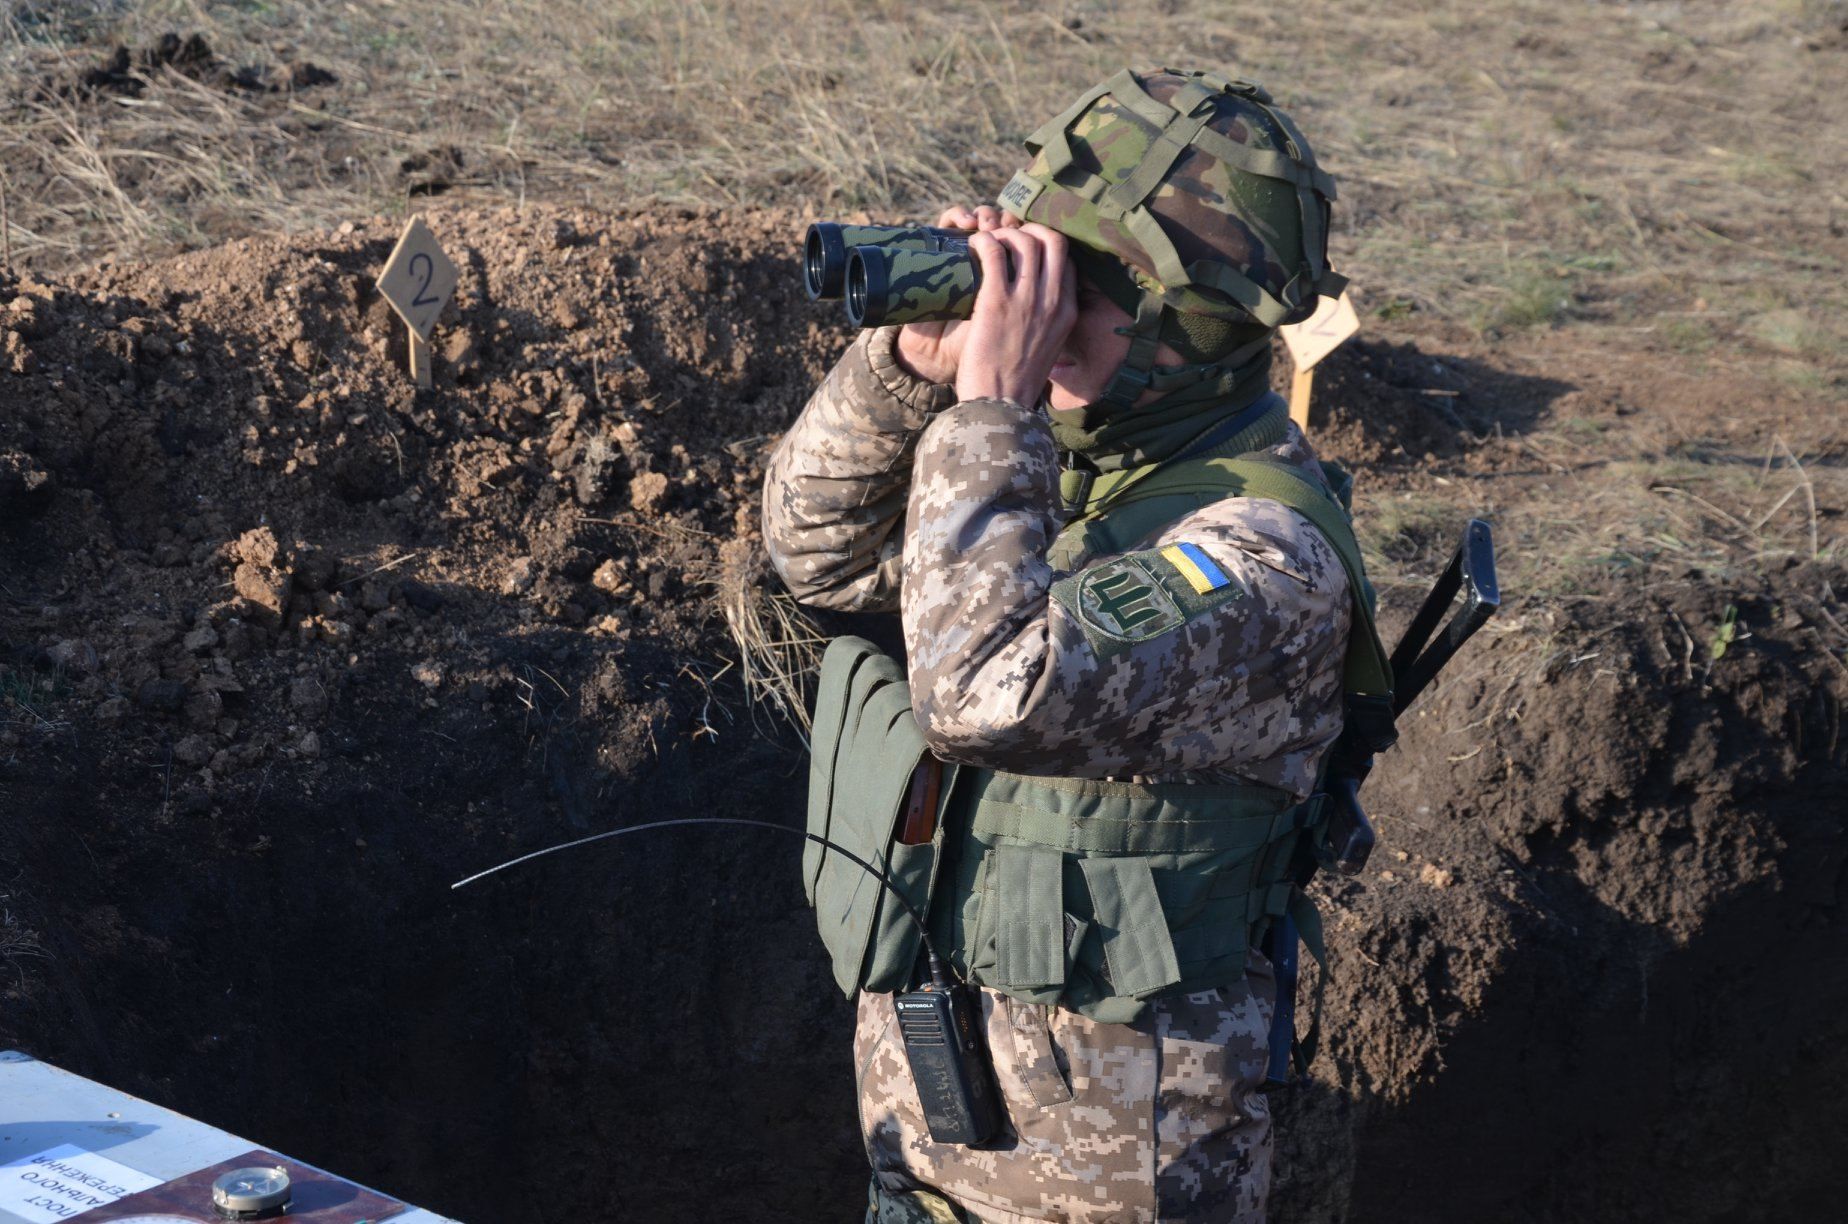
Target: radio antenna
[{"x": 939, "y": 975}]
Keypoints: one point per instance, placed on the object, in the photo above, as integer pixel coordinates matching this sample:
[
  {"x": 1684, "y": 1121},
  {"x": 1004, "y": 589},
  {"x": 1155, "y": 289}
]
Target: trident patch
[{"x": 1123, "y": 600}]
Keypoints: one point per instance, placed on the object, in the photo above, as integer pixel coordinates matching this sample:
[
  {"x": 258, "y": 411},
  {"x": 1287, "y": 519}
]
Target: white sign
[
  {"x": 64, "y": 1182},
  {"x": 418, "y": 278},
  {"x": 1322, "y": 332}
]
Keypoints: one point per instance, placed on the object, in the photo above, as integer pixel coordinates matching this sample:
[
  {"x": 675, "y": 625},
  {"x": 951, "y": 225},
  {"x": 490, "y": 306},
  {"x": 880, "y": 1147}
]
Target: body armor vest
[{"x": 1092, "y": 894}]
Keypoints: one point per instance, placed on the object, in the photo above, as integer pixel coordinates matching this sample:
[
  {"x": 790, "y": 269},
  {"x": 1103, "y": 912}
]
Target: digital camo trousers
[{"x": 1153, "y": 1122}]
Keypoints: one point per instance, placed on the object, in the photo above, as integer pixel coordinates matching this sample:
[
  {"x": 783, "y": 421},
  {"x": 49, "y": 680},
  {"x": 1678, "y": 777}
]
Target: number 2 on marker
[{"x": 429, "y": 271}]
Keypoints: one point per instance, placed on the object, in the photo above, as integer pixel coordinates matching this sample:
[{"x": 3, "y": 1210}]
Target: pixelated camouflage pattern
[
  {"x": 1004, "y": 674},
  {"x": 835, "y": 487},
  {"x": 1159, "y": 1120},
  {"x": 919, "y": 285},
  {"x": 955, "y": 522},
  {"x": 1208, "y": 209}
]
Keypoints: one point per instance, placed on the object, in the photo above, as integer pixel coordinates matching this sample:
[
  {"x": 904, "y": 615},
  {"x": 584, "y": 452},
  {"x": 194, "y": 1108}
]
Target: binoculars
[{"x": 891, "y": 273}]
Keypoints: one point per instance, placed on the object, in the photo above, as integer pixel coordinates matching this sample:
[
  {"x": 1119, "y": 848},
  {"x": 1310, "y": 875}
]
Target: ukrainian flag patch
[{"x": 1201, "y": 573}]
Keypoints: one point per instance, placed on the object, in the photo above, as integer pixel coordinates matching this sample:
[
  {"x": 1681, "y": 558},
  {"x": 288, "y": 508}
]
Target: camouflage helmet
[{"x": 1194, "y": 204}]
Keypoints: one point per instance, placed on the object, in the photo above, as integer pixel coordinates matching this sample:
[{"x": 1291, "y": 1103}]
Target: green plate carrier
[{"x": 1095, "y": 895}]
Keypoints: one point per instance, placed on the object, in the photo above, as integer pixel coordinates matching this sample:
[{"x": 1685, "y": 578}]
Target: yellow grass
[{"x": 1503, "y": 164}]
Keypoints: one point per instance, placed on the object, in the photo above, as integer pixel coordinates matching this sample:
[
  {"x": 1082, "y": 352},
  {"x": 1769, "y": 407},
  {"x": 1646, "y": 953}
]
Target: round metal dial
[{"x": 251, "y": 1192}]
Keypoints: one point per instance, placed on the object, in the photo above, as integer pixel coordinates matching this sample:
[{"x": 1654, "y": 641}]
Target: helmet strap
[{"x": 1137, "y": 372}]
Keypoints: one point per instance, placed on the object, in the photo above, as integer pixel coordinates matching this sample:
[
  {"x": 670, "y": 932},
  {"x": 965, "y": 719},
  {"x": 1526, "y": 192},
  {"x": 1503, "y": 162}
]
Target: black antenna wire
[{"x": 939, "y": 976}]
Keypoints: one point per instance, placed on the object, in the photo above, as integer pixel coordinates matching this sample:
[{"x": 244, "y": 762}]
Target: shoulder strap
[{"x": 1367, "y": 670}]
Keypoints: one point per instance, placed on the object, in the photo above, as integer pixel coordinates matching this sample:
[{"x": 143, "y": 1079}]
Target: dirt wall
[{"x": 290, "y": 647}]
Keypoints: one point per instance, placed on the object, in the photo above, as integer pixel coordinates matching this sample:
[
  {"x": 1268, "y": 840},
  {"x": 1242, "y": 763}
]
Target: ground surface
[{"x": 287, "y": 647}]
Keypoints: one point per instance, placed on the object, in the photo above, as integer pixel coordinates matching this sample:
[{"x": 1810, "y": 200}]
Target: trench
[{"x": 1625, "y": 999}]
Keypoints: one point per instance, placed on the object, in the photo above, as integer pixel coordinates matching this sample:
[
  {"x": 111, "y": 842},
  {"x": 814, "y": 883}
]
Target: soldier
[{"x": 1139, "y": 701}]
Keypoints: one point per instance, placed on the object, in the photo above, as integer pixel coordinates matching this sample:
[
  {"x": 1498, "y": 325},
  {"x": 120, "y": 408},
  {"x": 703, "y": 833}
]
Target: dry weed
[
  {"x": 779, "y": 647},
  {"x": 1644, "y": 517}
]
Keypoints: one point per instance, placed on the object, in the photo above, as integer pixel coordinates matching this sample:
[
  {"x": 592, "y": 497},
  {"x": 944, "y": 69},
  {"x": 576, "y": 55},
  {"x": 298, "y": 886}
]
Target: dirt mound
[
  {"x": 1385, "y": 403},
  {"x": 125, "y": 72},
  {"x": 292, "y": 646},
  {"x": 246, "y": 474},
  {"x": 289, "y": 646},
  {"x": 1572, "y": 960}
]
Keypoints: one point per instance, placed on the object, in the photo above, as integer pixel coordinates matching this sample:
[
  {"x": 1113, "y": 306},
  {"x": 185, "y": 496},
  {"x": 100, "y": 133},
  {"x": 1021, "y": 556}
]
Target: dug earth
[{"x": 287, "y": 647}]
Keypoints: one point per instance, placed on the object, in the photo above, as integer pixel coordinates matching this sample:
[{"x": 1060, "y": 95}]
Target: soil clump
[{"x": 125, "y": 71}]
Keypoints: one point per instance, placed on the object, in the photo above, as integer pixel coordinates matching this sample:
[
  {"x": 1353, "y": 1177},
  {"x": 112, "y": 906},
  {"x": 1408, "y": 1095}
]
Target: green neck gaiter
[{"x": 1110, "y": 439}]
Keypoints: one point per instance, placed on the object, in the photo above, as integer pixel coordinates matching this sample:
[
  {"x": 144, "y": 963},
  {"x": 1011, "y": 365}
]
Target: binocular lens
[
  {"x": 823, "y": 261},
  {"x": 858, "y": 294}
]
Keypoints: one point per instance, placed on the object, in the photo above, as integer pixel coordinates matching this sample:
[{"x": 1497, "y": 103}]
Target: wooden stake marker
[
  {"x": 1311, "y": 340},
  {"x": 418, "y": 280}
]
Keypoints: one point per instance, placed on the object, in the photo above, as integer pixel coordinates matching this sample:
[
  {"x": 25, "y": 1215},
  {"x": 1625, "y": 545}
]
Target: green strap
[
  {"x": 1053, "y": 138},
  {"x": 1292, "y": 164},
  {"x": 1178, "y": 134},
  {"x": 1225, "y": 84},
  {"x": 1367, "y": 669},
  {"x": 1254, "y": 298},
  {"x": 1030, "y": 932},
  {"x": 1266, "y": 163},
  {"x": 1151, "y": 237},
  {"x": 1137, "y": 946},
  {"x": 1308, "y": 921},
  {"x": 1092, "y": 816},
  {"x": 1134, "y": 375},
  {"x": 1126, "y": 90}
]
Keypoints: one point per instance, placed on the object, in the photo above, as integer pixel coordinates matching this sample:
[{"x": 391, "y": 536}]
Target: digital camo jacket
[{"x": 1212, "y": 652}]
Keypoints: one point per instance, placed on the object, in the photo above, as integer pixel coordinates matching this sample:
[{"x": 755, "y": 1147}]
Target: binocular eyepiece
[{"x": 891, "y": 273}]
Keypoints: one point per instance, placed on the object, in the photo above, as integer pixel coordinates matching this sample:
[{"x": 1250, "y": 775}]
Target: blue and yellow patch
[
  {"x": 1201, "y": 573},
  {"x": 1143, "y": 595}
]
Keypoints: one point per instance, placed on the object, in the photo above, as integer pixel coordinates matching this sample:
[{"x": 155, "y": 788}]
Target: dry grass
[
  {"x": 25, "y": 695},
  {"x": 1502, "y": 166},
  {"x": 17, "y": 940},
  {"x": 779, "y": 646},
  {"x": 1603, "y": 513}
]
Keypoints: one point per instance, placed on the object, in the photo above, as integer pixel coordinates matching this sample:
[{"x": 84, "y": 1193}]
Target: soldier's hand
[
  {"x": 983, "y": 217},
  {"x": 929, "y": 350},
  {"x": 1022, "y": 314}
]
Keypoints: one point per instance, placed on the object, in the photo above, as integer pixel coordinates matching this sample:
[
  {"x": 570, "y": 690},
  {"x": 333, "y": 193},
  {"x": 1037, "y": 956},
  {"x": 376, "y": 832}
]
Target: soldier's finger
[
  {"x": 988, "y": 217},
  {"x": 1025, "y": 250},
  {"x": 956, "y": 217},
  {"x": 1055, "y": 259},
  {"x": 991, "y": 257}
]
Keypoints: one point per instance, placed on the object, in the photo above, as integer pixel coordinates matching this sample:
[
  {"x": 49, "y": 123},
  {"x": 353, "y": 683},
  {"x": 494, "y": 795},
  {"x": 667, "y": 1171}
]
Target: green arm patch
[{"x": 1136, "y": 597}]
